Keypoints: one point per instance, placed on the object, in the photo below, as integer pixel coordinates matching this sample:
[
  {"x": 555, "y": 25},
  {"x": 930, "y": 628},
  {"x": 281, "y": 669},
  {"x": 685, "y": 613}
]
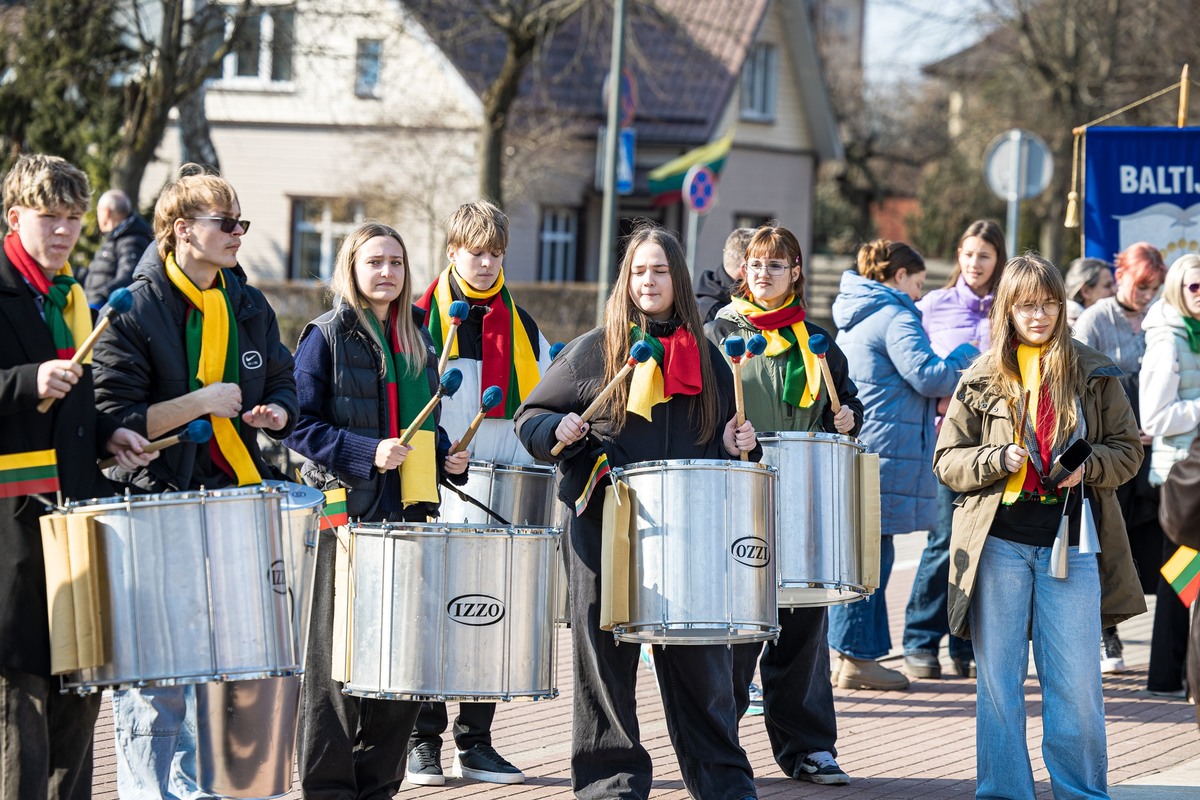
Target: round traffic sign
[
  {"x": 700, "y": 189},
  {"x": 1018, "y": 165}
]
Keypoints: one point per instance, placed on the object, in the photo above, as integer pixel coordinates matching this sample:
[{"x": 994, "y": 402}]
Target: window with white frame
[
  {"x": 319, "y": 224},
  {"x": 559, "y": 245},
  {"x": 759, "y": 80},
  {"x": 263, "y": 50},
  {"x": 368, "y": 60}
]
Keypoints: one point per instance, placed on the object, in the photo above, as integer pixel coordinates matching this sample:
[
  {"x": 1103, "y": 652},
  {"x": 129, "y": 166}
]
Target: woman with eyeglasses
[
  {"x": 899, "y": 378},
  {"x": 783, "y": 392},
  {"x": 197, "y": 343},
  {"x": 1114, "y": 327},
  {"x": 998, "y": 452},
  {"x": 1170, "y": 404}
]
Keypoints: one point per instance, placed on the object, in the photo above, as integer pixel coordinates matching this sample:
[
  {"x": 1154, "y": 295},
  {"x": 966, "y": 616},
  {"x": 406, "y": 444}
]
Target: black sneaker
[
  {"x": 820, "y": 767},
  {"x": 1111, "y": 652},
  {"x": 425, "y": 765},
  {"x": 481, "y": 762}
]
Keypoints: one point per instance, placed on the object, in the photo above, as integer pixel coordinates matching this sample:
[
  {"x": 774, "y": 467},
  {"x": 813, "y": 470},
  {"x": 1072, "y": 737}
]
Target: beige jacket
[{"x": 978, "y": 426}]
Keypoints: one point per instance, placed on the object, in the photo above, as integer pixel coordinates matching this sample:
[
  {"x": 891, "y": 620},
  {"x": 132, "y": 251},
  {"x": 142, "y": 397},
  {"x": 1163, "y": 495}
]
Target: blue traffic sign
[{"x": 700, "y": 189}]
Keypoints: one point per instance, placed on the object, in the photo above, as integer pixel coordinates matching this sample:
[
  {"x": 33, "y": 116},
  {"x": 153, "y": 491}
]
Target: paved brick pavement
[{"x": 914, "y": 744}]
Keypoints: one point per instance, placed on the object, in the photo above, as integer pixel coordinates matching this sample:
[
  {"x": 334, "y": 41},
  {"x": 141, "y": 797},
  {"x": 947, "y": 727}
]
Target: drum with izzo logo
[
  {"x": 703, "y": 566},
  {"x": 450, "y": 612}
]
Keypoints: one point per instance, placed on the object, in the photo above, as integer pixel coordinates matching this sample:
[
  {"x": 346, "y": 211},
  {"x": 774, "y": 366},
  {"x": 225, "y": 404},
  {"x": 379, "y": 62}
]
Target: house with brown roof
[{"x": 333, "y": 112}]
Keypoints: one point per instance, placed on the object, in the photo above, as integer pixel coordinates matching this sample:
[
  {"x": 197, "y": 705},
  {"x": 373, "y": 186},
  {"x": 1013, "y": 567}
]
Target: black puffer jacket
[
  {"x": 574, "y": 379},
  {"x": 142, "y": 360},
  {"x": 116, "y": 260},
  {"x": 713, "y": 292}
]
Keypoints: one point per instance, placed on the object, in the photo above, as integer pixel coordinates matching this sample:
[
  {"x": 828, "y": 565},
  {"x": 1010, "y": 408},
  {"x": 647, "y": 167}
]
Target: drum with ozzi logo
[
  {"x": 450, "y": 612},
  {"x": 194, "y": 588},
  {"x": 703, "y": 565},
  {"x": 521, "y": 494},
  {"x": 819, "y": 544}
]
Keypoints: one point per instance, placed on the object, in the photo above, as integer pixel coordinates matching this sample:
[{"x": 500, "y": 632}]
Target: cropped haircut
[
  {"x": 194, "y": 191},
  {"x": 478, "y": 226},
  {"x": 46, "y": 183},
  {"x": 733, "y": 254},
  {"x": 880, "y": 260},
  {"x": 1142, "y": 262}
]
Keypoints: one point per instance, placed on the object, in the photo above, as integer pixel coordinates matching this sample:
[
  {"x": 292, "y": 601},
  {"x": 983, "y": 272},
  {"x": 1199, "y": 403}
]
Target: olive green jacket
[{"x": 977, "y": 428}]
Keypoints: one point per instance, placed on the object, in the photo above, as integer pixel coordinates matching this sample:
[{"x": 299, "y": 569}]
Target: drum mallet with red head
[
  {"x": 491, "y": 398},
  {"x": 735, "y": 348},
  {"x": 819, "y": 344},
  {"x": 458, "y": 312},
  {"x": 446, "y": 388},
  {"x": 119, "y": 302},
  {"x": 197, "y": 431},
  {"x": 638, "y": 354}
]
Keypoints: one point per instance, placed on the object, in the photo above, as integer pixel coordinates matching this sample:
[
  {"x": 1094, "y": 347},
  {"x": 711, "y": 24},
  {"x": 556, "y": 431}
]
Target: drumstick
[
  {"x": 458, "y": 312},
  {"x": 1024, "y": 421},
  {"x": 491, "y": 398},
  {"x": 638, "y": 354},
  {"x": 446, "y": 388},
  {"x": 735, "y": 348},
  {"x": 819, "y": 344},
  {"x": 198, "y": 431},
  {"x": 119, "y": 302}
]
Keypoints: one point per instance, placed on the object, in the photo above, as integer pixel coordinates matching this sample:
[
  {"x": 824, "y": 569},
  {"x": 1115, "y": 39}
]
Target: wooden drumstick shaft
[
  {"x": 600, "y": 398},
  {"x": 834, "y": 402},
  {"x": 156, "y": 445},
  {"x": 80, "y": 355},
  {"x": 739, "y": 400},
  {"x": 470, "y": 434},
  {"x": 412, "y": 429},
  {"x": 449, "y": 344}
]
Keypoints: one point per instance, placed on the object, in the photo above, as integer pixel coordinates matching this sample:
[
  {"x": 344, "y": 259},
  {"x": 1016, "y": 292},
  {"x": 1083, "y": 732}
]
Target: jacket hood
[
  {"x": 1162, "y": 315},
  {"x": 714, "y": 283},
  {"x": 130, "y": 225},
  {"x": 859, "y": 298}
]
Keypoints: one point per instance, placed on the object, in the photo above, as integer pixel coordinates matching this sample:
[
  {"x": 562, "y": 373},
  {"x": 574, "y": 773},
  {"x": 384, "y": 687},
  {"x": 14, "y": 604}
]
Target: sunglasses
[
  {"x": 1194, "y": 288},
  {"x": 229, "y": 223}
]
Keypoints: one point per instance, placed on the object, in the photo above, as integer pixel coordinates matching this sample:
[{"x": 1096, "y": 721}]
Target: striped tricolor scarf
[
  {"x": 785, "y": 332},
  {"x": 673, "y": 369},
  {"x": 1038, "y": 436},
  {"x": 66, "y": 308}
]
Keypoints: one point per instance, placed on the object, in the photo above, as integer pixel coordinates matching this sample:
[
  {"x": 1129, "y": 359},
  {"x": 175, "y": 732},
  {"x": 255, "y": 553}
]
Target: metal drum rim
[
  {"x": 544, "y": 470},
  {"x": 451, "y": 697},
  {"x": 422, "y": 529},
  {"x": 286, "y": 502},
  {"x": 225, "y": 495},
  {"x": 670, "y": 465},
  {"x": 819, "y": 436},
  {"x": 89, "y": 687}
]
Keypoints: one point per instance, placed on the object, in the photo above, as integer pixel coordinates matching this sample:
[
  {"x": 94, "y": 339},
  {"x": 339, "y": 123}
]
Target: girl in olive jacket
[{"x": 1007, "y": 514}]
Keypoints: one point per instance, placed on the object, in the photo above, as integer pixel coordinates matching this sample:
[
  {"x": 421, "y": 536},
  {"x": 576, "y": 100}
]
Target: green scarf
[{"x": 1192, "y": 325}]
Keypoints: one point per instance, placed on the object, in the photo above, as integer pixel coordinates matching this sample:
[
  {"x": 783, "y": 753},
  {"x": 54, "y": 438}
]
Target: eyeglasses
[
  {"x": 1194, "y": 288},
  {"x": 228, "y": 223},
  {"x": 1031, "y": 310},
  {"x": 773, "y": 268}
]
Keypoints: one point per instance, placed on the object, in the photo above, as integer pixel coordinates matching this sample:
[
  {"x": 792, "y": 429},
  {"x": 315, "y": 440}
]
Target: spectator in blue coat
[{"x": 899, "y": 378}]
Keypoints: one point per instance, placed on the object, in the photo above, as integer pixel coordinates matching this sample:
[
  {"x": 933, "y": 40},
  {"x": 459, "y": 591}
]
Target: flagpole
[
  {"x": 1184, "y": 86},
  {"x": 692, "y": 232},
  {"x": 608, "y": 211}
]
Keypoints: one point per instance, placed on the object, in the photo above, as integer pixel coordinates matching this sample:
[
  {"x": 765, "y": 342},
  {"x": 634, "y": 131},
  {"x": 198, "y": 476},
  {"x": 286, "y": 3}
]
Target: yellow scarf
[
  {"x": 77, "y": 314},
  {"x": 1029, "y": 361},
  {"x": 212, "y": 305}
]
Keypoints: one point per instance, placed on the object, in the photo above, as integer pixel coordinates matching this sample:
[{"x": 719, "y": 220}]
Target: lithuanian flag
[
  {"x": 1182, "y": 571},
  {"x": 666, "y": 182},
  {"x": 28, "y": 473},
  {"x": 334, "y": 513},
  {"x": 600, "y": 470}
]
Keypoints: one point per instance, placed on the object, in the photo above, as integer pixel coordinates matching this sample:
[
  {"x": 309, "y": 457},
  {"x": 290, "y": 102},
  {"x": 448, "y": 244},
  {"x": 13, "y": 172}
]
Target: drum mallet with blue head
[
  {"x": 458, "y": 312},
  {"x": 491, "y": 398},
  {"x": 198, "y": 431},
  {"x": 756, "y": 345},
  {"x": 555, "y": 349},
  {"x": 640, "y": 353},
  {"x": 119, "y": 302},
  {"x": 446, "y": 388},
  {"x": 819, "y": 344},
  {"x": 735, "y": 348}
]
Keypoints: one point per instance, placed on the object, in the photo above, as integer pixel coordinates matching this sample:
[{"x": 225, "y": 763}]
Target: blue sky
[{"x": 903, "y": 35}]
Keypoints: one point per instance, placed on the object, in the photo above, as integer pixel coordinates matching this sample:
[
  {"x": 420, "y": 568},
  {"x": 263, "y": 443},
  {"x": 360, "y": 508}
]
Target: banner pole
[{"x": 1184, "y": 87}]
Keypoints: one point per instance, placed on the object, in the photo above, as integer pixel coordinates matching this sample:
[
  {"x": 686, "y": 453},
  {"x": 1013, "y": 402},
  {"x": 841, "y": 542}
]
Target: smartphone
[{"x": 1069, "y": 460}]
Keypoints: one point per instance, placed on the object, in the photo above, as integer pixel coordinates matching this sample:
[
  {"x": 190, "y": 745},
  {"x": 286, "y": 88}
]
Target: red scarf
[{"x": 1046, "y": 423}]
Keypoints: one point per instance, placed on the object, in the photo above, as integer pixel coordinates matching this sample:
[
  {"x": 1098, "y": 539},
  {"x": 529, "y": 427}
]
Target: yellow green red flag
[
  {"x": 35, "y": 472},
  {"x": 1182, "y": 571},
  {"x": 334, "y": 513}
]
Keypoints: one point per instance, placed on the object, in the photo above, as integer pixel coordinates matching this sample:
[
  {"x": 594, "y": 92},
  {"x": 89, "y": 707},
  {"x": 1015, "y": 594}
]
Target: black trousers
[
  {"x": 45, "y": 739},
  {"x": 797, "y": 694},
  {"x": 607, "y": 758},
  {"x": 472, "y": 726},
  {"x": 347, "y": 747},
  {"x": 1169, "y": 635}
]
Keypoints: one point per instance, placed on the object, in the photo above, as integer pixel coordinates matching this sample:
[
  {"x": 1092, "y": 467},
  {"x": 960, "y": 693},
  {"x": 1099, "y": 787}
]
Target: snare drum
[
  {"x": 702, "y": 552},
  {"x": 522, "y": 495},
  {"x": 819, "y": 544},
  {"x": 194, "y": 588},
  {"x": 450, "y": 612}
]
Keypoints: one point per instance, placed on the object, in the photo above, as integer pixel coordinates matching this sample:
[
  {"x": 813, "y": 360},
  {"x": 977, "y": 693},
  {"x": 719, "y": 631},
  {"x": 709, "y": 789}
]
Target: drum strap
[
  {"x": 468, "y": 499},
  {"x": 616, "y": 554}
]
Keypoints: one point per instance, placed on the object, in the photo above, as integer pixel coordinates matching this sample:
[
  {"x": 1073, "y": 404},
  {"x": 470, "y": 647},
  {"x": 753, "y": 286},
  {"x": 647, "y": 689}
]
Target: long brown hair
[
  {"x": 344, "y": 285},
  {"x": 1029, "y": 278},
  {"x": 620, "y": 311},
  {"x": 990, "y": 232}
]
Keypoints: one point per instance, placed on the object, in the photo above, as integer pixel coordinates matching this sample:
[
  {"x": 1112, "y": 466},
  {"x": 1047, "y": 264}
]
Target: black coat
[
  {"x": 142, "y": 360},
  {"x": 574, "y": 379},
  {"x": 117, "y": 258},
  {"x": 75, "y": 430},
  {"x": 714, "y": 290}
]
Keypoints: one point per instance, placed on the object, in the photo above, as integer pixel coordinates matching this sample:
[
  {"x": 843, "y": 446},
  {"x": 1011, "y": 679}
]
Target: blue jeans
[
  {"x": 156, "y": 743},
  {"x": 860, "y": 629},
  {"x": 1014, "y": 595},
  {"x": 925, "y": 618}
]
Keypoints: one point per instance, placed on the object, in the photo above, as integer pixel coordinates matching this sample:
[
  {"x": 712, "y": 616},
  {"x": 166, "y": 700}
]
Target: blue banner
[{"x": 1141, "y": 185}]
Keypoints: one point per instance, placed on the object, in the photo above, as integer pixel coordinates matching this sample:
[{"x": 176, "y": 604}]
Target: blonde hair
[
  {"x": 195, "y": 190},
  {"x": 880, "y": 260},
  {"x": 620, "y": 311},
  {"x": 46, "y": 183},
  {"x": 1029, "y": 278},
  {"x": 1173, "y": 286},
  {"x": 479, "y": 225},
  {"x": 346, "y": 294}
]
